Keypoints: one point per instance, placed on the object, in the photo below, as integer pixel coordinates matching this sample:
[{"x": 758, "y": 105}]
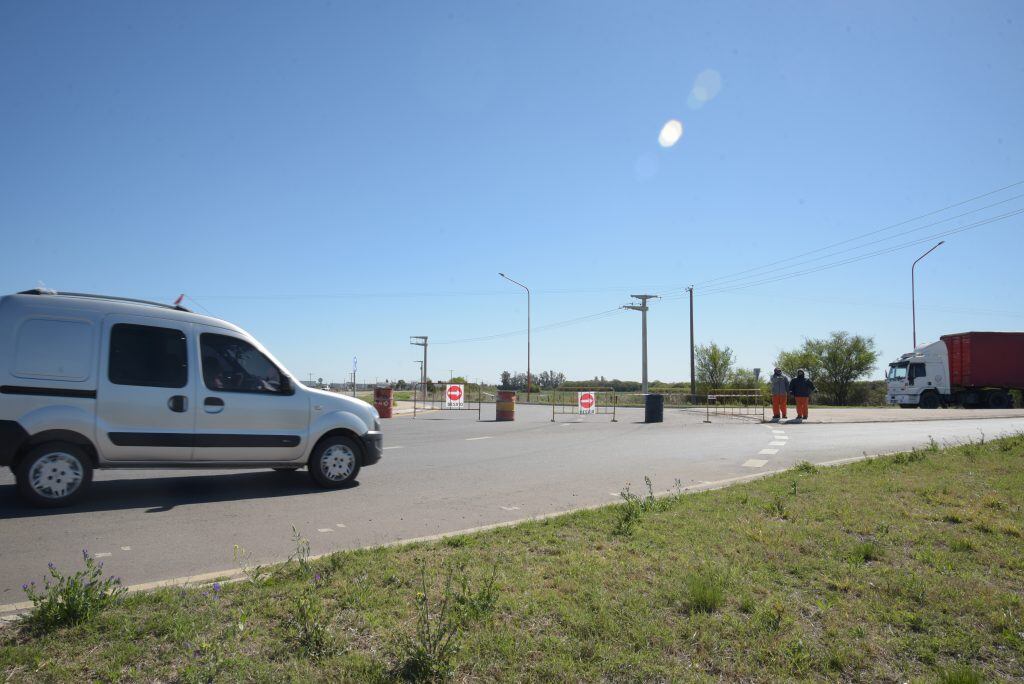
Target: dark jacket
[{"x": 801, "y": 387}]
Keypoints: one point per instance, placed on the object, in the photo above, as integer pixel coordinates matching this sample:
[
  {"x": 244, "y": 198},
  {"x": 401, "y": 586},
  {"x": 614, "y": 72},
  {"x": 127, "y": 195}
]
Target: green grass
[{"x": 903, "y": 568}]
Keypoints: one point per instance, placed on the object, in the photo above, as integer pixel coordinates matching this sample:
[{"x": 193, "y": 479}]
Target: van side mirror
[{"x": 286, "y": 385}]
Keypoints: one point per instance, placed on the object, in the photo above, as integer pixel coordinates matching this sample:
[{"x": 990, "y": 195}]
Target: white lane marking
[
  {"x": 566, "y": 424},
  {"x": 615, "y": 494},
  {"x": 325, "y": 529},
  {"x": 341, "y": 524},
  {"x": 754, "y": 463},
  {"x": 776, "y": 443},
  {"x": 768, "y": 452},
  {"x": 780, "y": 437},
  {"x": 779, "y": 432},
  {"x": 509, "y": 508},
  {"x": 473, "y": 439},
  {"x": 102, "y": 554},
  {"x": 393, "y": 447},
  {"x": 126, "y": 548}
]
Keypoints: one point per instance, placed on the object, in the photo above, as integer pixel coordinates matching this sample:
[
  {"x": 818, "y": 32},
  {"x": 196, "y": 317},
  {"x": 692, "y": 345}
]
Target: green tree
[
  {"x": 834, "y": 363},
  {"x": 744, "y": 378},
  {"x": 714, "y": 366}
]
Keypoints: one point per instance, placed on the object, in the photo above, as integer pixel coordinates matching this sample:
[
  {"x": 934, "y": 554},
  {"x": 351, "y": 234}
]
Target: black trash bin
[{"x": 654, "y": 408}]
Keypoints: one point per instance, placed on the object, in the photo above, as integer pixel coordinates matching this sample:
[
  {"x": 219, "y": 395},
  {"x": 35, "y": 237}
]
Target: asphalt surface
[{"x": 441, "y": 472}]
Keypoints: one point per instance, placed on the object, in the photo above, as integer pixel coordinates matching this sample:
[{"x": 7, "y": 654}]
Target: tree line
[{"x": 835, "y": 363}]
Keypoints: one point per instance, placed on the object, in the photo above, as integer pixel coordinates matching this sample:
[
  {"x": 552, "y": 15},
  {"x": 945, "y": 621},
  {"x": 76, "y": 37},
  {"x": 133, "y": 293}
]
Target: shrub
[{"x": 72, "y": 599}]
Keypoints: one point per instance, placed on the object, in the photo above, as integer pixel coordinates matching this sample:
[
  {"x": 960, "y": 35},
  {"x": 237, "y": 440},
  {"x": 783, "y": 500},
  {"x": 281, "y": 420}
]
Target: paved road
[{"x": 441, "y": 472}]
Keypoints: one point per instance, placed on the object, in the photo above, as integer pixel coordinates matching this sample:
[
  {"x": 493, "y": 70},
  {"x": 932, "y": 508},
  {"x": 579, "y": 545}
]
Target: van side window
[
  {"x": 231, "y": 364},
  {"x": 147, "y": 356}
]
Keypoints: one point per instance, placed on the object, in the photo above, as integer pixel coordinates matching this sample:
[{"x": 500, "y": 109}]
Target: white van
[{"x": 88, "y": 381}]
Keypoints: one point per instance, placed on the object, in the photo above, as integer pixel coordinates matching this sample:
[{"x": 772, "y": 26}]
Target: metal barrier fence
[
  {"x": 736, "y": 403},
  {"x": 584, "y": 401},
  {"x": 435, "y": 400}
]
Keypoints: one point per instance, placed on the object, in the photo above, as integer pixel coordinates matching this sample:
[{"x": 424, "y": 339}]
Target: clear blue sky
[{"x": 337, "y": 176}]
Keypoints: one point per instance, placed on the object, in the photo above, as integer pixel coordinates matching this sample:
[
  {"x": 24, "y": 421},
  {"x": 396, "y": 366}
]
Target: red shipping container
[{"x": 986, "y": 359}]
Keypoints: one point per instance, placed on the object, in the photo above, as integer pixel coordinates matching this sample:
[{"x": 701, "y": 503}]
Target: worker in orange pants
[
  {"x": 780, "y": 390},
  {"x": 801, "y": 389}
]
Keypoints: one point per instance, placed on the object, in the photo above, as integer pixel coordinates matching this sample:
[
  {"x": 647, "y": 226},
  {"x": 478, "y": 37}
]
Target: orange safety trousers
[
  {"x": 778, "y": 405},
  {"x": 801, "y": 406}
]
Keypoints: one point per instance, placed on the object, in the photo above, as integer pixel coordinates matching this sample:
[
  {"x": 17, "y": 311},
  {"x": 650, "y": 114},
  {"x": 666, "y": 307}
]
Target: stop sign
[{"x": 455, "y": 392}]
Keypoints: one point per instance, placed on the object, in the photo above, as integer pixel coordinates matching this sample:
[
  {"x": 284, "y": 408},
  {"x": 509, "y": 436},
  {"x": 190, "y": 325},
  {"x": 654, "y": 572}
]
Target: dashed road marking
[
  {"x": 473, "y": 439},
  {"x": 102, "y": 554},
  {"x": 126, "y": 548},
  {"x": 768, "y": 452},
  {"x": 776, "y": 444},
  {"x": 779, "y": 432},
  {"x": 754, "y": 463},
  {"x": 325, "y": 529},
  {"x": 393, "y": 447},
  {"x": 509, "y": 508},
  {"x": 341, "y": 524}
]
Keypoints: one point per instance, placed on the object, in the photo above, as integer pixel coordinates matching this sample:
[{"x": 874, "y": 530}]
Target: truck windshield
[{"x": 898, "y": 371}]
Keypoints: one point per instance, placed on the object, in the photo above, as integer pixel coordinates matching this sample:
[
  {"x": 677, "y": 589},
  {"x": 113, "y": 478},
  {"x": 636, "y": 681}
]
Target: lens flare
[{"x": 671, "y": 132}]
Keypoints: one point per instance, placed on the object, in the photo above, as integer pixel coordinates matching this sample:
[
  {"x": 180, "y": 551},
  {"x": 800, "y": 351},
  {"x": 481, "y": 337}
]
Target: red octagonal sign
[
  {"x": 454, "y": 392},
  {"x": 586, "y": 400}
]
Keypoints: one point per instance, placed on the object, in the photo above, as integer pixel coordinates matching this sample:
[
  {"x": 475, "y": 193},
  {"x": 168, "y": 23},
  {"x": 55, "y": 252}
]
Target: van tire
[
  {"x": 49, "y": 467},
  {"x": 335, "y": 462}
]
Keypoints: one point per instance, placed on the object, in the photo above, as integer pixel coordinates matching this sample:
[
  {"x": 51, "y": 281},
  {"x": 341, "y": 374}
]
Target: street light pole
[
  {"x": 421, "y": 341},
  {"x": 913, "y": 304},
  {"x": 693, "y": 375},
  {"x": 528, "y": 376},
  {"x": 642, "y": 308}
]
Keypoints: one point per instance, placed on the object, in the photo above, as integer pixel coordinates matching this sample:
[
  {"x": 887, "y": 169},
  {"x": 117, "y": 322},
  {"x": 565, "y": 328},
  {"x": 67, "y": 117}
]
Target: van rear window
[
  {"x": 53, "y": 349},
  {"x": 147, "y": 356}
]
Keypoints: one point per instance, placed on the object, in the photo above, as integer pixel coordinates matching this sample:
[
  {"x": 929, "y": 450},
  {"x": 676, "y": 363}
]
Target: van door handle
[
  {"x": 178, "y": 403},
  {"x": 213, "y": 404}
]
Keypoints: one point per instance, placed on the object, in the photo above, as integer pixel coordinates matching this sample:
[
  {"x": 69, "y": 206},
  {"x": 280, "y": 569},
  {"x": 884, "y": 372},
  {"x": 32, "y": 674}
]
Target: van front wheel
[
  {"x": 54, "y": 474},
  {"x": 335, "y": 462}
]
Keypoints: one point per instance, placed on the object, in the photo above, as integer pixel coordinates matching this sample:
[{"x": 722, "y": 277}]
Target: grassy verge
[{"x": 907, "y": 567}]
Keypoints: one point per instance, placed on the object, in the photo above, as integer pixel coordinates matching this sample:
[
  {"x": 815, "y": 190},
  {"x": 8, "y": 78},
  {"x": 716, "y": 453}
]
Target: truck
[{"x": 970, "y": 369}]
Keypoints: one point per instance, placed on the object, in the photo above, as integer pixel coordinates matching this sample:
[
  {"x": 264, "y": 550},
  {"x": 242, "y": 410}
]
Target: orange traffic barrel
[
  {"x": 383, "y": 401},
  {"x": 505, "y": 407}
]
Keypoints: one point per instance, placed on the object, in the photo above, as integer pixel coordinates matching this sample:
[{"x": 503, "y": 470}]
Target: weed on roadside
[
  {"x": 806, "y": 467},
  {"x": 866, "y": 552},
  {"x": 962, "y": 674},
  {"x": 430, "y": 654},
  {"x": 705, "y": 591},
  {"x": 310, "y": 624},
  {"x": 71, "y": 599}
]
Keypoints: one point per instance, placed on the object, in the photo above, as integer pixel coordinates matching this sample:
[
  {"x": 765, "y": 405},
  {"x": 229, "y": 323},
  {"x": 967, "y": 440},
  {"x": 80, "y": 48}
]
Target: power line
[
  {"x": 550, "y": 326},
  {"x": 856, "y": 237},
  {"x": 724, "y": 281},
  {"x": 861, "y": 257}
]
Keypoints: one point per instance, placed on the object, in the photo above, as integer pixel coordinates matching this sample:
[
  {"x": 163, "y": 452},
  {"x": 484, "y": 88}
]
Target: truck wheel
[
  {"x": 998, "y": 400},
  {"x": 335, "y": 462},
  {"x": 929, "y": 400},
  {"x": 54, "y": 474},
  {"x": 908, "y": 406}
]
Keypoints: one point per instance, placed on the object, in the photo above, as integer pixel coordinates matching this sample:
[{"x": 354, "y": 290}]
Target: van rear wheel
[
  {"x": 54, "y": 474},
  {"x": 335, "y": 462}
]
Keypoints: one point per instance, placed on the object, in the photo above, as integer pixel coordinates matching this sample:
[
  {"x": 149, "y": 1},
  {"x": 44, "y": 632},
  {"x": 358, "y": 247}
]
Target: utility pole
[
  {"x": 913, "y": 306},
  {"x": 693, "y": 373},
  {"x": 421, "y": 341},
  {"x": 528, "y": 377},
  {"x": 642, "y": 308}
]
